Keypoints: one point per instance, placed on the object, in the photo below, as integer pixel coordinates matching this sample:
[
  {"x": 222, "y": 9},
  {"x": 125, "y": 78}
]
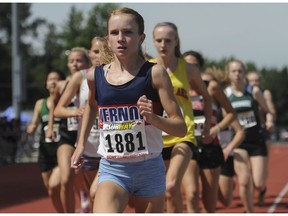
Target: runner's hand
[
  {"x": 76, "y": 161},
  {"x": 145, "y": 108}
]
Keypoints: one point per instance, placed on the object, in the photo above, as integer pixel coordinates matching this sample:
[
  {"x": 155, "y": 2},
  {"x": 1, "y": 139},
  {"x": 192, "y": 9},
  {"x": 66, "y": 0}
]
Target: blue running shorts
[{"x": 143, "y": 179}]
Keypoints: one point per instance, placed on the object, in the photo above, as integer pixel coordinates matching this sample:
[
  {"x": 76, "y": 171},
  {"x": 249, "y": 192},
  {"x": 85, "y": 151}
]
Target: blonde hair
[
  {"x": 249, "y": 73},
  {"x": 106, "y": 54},
  {"x": 219, "y": 75},
  {"x": 81, "y": 50},
  {"x": 235, "y": 61}
]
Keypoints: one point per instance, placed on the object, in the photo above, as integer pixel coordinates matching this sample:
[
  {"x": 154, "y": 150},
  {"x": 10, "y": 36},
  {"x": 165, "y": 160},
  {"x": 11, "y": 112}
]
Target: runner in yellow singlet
[{"x": 177, "y": 151}]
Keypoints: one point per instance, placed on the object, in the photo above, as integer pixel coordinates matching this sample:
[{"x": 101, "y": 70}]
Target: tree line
[{"x": 78, "y": 31}]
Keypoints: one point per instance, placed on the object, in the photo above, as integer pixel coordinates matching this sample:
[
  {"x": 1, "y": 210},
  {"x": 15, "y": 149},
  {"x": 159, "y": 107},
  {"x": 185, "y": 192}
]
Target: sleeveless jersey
[
  {"x": 247, "y": 113},
  {"x": 69, "y": 126},
  {"x": 92, "y": 143},
  {"x": 44, "y": 118},
  {"x": 199, "y": 116},
  {"x": 181, "y": 88},
  {"x": 124, "y": 135}
]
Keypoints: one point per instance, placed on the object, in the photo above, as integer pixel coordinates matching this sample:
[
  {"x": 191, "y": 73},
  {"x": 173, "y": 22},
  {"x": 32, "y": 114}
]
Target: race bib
[
  {"x": 95, "y": 129},
  {"x": 247, "y": 119},
  {"x": 125, "y": 139},
  {"x": 72, "y": 122},
  {"x": 55, "y": 132},
  {"x": 199, "y": 122}
]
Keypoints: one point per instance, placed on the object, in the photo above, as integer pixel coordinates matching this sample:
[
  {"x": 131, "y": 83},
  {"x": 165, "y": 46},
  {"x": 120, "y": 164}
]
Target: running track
[{"x": 22, "y": 191}]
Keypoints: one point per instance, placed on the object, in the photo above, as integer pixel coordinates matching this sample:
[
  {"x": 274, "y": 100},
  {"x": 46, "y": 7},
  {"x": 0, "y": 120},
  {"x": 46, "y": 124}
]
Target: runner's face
[
  {"x": 51, "y": 81},
  {"x": 236, "y": 73},
  {"x": 123, "y": 36},
  {"x": 94, "y": 52},
  {"x": 165, "y": 40},
  {"x": 191, "y": 59},
  {"x": 254, "y": 80},
  {"x": 76, "y": 62}
]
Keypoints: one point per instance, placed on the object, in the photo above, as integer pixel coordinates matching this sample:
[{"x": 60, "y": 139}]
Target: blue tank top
[
  {"x": 129, "y": 92},
  {"x": 117, "y": 109}
]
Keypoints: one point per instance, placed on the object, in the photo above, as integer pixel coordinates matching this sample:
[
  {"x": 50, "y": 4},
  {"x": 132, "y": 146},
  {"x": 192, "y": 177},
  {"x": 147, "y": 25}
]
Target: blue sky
[{"x": 255, "y": 32}]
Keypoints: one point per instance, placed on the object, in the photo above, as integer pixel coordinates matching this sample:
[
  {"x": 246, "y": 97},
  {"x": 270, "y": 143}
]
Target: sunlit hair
[
  {"x": 100, "y": 39},
  {"x": 227, "y": 68},
  {"x": 136, "y": 17},
  {"x": 81, "y": 50},
  {"x": 197, "y": 55},
  {"x": 249, "y": 73},
  {"x": 219, "y": 75},
  {"x": 106, "y": 54},
  {"x": 257, "y": 74},
  {"x": 175, "y": 29},
  {"x": 235, "y": 61}
]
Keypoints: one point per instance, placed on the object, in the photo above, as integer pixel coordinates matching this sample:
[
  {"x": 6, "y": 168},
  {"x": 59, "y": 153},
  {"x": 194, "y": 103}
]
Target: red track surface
[{"x": 22, "y": 190}]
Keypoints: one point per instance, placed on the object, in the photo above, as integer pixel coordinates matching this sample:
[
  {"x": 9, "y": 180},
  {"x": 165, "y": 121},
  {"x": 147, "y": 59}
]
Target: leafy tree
[
  {"x": 276, "y": 82},
  {"x": 78, "y": 31},
  {"x": 26, "y": 28},
  {"x": 97, "y": 20},
  {"x": 49, "y": 60},
  {"x": 72, "y": 29},
  {"x": 250, "y": 66},
  {"x": 53, "y": 46}
]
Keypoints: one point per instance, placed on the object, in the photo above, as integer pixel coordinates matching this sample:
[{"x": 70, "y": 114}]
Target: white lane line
[{"x": 278, "y": 199}]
